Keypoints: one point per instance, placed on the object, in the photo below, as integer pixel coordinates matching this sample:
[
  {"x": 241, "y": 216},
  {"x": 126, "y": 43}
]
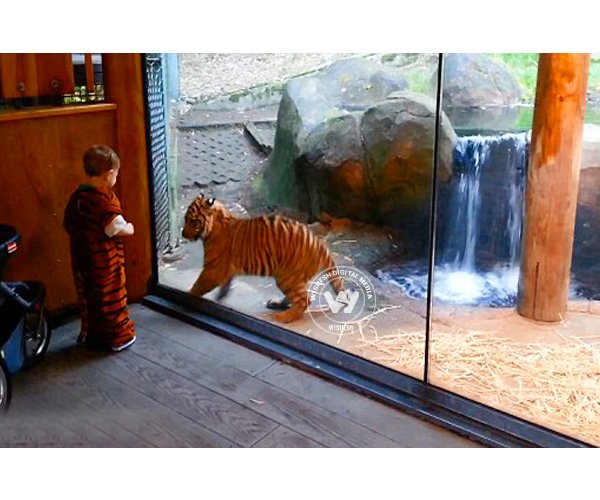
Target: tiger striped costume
[
  {"x": 98, "y": 268},
  {"x": 263, "y": 246}
]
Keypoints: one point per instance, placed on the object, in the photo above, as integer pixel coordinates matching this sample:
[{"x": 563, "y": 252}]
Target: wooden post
[
  {"x": 18, "y": 77},
  {"x": 553, "y": 178},
  {"x": 55, "y": 74},
  {"x": 124, "y": 86}
]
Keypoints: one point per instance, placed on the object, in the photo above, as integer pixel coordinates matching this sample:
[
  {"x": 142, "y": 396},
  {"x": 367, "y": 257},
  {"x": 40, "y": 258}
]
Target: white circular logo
[{"x": 341, "y": 311}]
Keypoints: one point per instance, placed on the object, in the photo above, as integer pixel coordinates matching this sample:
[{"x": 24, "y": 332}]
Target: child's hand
[{"x": 128, "y": 230}]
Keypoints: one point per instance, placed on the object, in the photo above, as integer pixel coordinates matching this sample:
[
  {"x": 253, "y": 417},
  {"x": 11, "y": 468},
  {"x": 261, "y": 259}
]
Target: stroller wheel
[
  {"x": 36, "y": 337},
  {"x": 5, "y": 387}
]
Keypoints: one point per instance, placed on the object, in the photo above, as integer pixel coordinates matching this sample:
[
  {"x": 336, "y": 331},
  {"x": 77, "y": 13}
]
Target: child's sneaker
[{"x": 124, "y": 346}]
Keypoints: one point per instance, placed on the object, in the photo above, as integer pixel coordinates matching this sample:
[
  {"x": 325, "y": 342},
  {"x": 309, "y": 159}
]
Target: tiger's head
[{"x": 202, "y": 217}]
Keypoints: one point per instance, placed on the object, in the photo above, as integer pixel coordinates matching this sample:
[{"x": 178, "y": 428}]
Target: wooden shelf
[{"x": 49, "y": 111}]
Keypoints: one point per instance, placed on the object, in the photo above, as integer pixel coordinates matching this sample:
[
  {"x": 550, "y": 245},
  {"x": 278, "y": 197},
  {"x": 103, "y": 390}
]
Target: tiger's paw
[
  {"x": 278, "y": 305},
  {"x": 287, "y": 316}
]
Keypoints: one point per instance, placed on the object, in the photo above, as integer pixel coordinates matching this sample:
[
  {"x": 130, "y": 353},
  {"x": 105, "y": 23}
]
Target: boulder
[
  {"x": 398, "y": 139},
  {"x": 358, "y": 83},
  {"x": 586, "y": 247},
  {"x": 474, "y": 80},
  {"x": 349, "y": 144},
  {"x": 325, "y": 106},
  {"x": 331, "y": 170}
]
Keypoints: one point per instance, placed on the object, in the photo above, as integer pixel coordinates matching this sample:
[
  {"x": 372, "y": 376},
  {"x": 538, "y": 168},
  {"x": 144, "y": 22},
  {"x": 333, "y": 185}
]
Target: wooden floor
[{"x": 179, "y": 386}]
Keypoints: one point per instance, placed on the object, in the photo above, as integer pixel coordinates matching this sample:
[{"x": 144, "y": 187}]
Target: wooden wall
[
  {"x": 32, "y": 75},
  {"x": 41, "y": 164},
  {"x": 123, "y": 84}
]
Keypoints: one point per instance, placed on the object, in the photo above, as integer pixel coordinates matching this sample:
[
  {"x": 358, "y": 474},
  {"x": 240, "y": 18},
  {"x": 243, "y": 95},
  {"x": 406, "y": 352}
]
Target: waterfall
[
  {"x": 480, "y": 220},
  {"x": 516, "y": 200},
  {"x": 484, "y": 221},
  {"x": 464, "y": 203}
]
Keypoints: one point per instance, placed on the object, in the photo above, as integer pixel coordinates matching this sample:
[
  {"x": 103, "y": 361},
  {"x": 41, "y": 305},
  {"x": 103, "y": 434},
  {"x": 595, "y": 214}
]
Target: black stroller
[{"x": 24, "y": 329}]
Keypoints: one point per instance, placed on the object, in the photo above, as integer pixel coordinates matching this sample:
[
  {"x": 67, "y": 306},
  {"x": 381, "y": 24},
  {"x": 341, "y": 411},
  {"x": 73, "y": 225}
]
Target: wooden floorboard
[
  {"x": 79, "y": 426},
  {"x": 227, "y": 352},
  {"x": 405, "y": 429},
  {"x": 150, "y": 383},
  {"x": 72, "y": 377},
  {"x": 81, "y": 389},
  {"x": 282, "y": 437},
  {"x": 180, "y": 386},
  {"x": 281, "y": 406},
  {"x": 60, "y": 383},
  {"x": 22, "y": 429}
]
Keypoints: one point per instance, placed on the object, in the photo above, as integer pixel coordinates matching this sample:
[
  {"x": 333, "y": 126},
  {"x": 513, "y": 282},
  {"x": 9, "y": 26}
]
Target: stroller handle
[
  {"x": 9, "y": 238},
  {"x": 12, "y": 294}
]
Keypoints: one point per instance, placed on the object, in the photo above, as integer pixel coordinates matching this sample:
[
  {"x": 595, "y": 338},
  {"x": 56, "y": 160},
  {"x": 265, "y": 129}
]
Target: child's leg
[
  {"x": 82, "y": 305},
  {"x": 124, "y": 333},
  {"x": 109, "y": 327}
]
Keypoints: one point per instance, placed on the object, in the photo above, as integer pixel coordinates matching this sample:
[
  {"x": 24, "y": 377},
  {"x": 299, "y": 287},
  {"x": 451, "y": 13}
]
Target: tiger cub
[{"x": 264, "y": 246}]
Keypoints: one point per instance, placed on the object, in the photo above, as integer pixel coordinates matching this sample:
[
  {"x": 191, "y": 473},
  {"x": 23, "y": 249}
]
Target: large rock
[
  {"x": 317, "y": 131},
  {"x": 398, "y": 139},
  {"x": 586, "y": 247},
  {"x": 331, "y": 171},
  {"x": 357, "y": 83},
  {"x": 591, "y": 146},
  {"x": 349, "y": 144},
  {"x": 473, "y": 80}
]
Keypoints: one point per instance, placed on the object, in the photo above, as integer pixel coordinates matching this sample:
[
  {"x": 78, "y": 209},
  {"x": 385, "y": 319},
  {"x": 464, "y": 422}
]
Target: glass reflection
[
  {"x": 480, "y": 346},
  {"x": 342, "y": 143}
]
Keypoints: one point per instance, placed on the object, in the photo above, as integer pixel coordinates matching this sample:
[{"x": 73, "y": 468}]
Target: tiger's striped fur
[{"x": 263, "y": 246}]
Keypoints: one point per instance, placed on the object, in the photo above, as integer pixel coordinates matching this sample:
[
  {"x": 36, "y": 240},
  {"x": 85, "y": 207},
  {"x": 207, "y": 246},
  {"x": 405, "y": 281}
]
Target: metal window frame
[{"x": 467, "y": 417}]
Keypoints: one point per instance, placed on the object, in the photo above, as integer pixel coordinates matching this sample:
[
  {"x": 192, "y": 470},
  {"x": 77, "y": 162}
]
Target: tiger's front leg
[
  {"x": 279, "y": 305},
  {"x": 206, "y": 282}
]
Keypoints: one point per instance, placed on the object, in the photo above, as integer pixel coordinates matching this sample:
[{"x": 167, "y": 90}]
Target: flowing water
[{"x": 480, "y": 220}]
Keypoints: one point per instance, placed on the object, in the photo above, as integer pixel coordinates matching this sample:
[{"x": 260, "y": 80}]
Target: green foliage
[
  {"x": 525, "y": 66},
  {"x": 594, "y": 80},
  {"x": 419, "y": 80}
]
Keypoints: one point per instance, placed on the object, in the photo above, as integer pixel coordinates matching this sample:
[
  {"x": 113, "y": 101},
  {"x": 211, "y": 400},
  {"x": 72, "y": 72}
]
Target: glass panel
[
  {"x": 481, "y": 347},
  {"x": 340, "y": 143}
]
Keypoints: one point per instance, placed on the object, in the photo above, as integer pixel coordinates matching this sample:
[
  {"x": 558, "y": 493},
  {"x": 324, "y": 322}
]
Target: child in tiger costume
[
  {"x": 264, "y": 246},
  {"x": 95, "y": 224}
]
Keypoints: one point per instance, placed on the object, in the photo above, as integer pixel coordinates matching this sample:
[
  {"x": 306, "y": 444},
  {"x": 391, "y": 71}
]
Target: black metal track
[{"x": 464, "y": 416}]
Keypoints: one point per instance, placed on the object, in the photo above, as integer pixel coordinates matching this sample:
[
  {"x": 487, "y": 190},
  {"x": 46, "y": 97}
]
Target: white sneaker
[{"x": 124, "y": 346}]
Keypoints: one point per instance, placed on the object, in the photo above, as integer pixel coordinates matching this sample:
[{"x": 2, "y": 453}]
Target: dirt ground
[{"x": 207, "y": 75}]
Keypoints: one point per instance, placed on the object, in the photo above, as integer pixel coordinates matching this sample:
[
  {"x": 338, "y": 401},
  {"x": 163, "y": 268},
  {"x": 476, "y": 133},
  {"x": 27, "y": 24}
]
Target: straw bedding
[{"x": 556, "y": 385}]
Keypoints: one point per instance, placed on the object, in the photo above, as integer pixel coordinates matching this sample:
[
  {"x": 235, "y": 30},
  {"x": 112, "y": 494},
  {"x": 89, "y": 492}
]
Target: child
[{"x": 95, "y": 224}]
